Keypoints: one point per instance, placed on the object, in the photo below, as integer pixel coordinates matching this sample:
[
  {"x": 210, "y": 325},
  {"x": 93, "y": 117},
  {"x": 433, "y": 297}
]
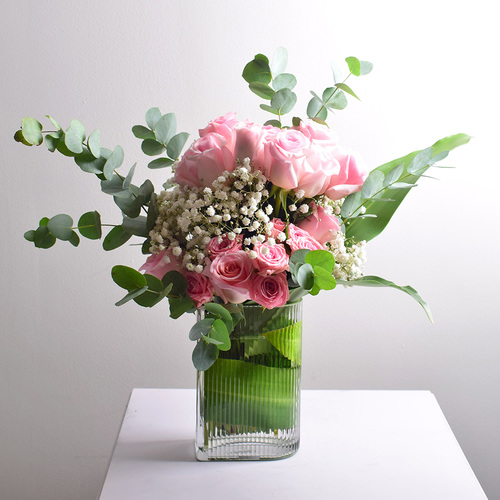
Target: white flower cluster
[
  {"x": 236, "y": 205},
  {"x": 350, "y": 257}
]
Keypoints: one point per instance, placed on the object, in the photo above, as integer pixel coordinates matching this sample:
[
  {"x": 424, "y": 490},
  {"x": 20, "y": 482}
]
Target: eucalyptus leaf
[
  {"x": 394, "y": 174},
  {"x": 142, "y": 132},
  {"x": 284, "y": 81},
  {"x": 61, "y": 226},
  {"x": 152, "y": 295},
  {"x": 347, "y": 89},
  {"x": 32, "y": 131},
  {"x": 115, "y": 238},
  {"x": 19, "y": 137},
  {"x": 220, "y": 333},
  {"x": 89, "y": 225},
  {"x": 113, "y": 162},
  {"x": 165, "y": 128},
  {"x": 152, "y": 116},
  {"x": 305, "y": 276},
  {"x": 151, "y": 147},
  {"x": 420, "y": 161},
  {"x": 160, "y": 163},
  {"x": 373, "y": 183},
  {"x": 74, "y": 137},
  {"x": 316, "y": 108},
  {"x": 89, "y": 163},
  {"x": 354, "y": 65},
  {"x": 74, "y": 239},
  {"x": 338, "y": 101},
  {"x": 320, "y": 258},
  {"x": 176, "y": 144},
  {"x": 136, "y": 226},
  {"x": 51, "y": 140},
  {"x": 30, "y": 235},
  {"x": 94, "y": 143},
  {"x": 201, "y": 328},
  {"x": 179, "y": 306},
  {"x": 262, "y": 90},
  {"x": 204, "y": 355},
  {"x": 283, "y": 100},
  {"x": 128, "y": 278},
  {"x": 258, "y": 70},
  {"x": 323, "y": 278},
  {"x": 279, "y": 61},
  {"x": 268, "y": 108},
  {"x": 131, "y": 295},
  {"x": 365, "y": 67},
  {"x": 54, "y": 122},
  {"x": 128, "y": 180},
  {"x": 43, "y": 237}
]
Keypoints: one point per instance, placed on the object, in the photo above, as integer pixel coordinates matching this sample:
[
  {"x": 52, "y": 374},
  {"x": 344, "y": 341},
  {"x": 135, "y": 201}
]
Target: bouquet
[{"x": 252, "y": 213}]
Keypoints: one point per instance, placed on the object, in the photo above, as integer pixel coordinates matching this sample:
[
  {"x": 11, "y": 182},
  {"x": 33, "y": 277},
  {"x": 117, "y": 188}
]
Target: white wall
[{"x": 69, "y": 358}]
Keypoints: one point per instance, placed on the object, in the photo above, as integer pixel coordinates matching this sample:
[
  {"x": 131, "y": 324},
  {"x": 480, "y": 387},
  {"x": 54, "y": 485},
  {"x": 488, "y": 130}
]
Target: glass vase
[{"x": 248, "y": 401}]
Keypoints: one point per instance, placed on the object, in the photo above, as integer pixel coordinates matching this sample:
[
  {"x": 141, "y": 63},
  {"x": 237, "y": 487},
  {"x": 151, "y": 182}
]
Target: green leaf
[
  {"x": 315, "y": 108},
  {"x": 373, "y": 183},
  {"x": 142, "y": 132},
  {"x": 394, "y": 174},
  {"x": 43, "y": 238},
  {"x": 19, "y": 137},
  {"x": 365, "y": 67},
  {"x": 221, "y": 335},
  {"x": 30, "y": 235},
  {"x": 265, "y": 107},
  {"x": 201, "y": 328},
  {"x": 221, "y": 312},
  {"x": 283, "y": 100},
  {"x": 179, "y": 305},
  {"x": 61, "y": 226},
  {"x": 94, "y": 143},
  {"x": 375, "y": 281},
  {"x": 75, "y": 239},
  {"x": 273, "y": 123},
  {"x": 130, "y": 206},
  {"x": 354, "y": 65},
  {"x": 175, "y": 145},
  {"x": 128, "y": 278},
  {"x": 51, "y": 140},
  {"x": 370, "y": 227},
  {"x": 321, "y": 258},
  {"x": 204, "y": 355},
  {"x": 165, "y": 128},
  {"x": 134, "y": 294},
  {"x": 151, "y": 147},
  {"x": 279, "y": 61},
  {"x": 347, "y": 89},
  {"x": 74, "y": 137},
  {"x": 89, "y": 225},
  {"x": 262, "y": 90},
  {"x": 334, "y": 100},
  {"x": 420, "y": 161},
  {"x": 56, "y": 125},
  {"x": 115, "y": 238},
  {"x": 32, "y": 131},
  {"x": 178, "y": 281},
  {"x": 152, "y": 295},
  {"x": 284, "y": 81},
  {"x": 114, "y": 187},
  {"x": 136, "y": 226},
  {"x": 152, "y": 116},
  {"x": 305, "y": 276},
  {"x": 323, "y": 278},
  {"x": 258, "y": 70},
  {"x": 88, "y": 163},
  {"x": 113, "y": 162},
  {"x": 160, "y": 163},
  {"x": 128, "y": 180}
]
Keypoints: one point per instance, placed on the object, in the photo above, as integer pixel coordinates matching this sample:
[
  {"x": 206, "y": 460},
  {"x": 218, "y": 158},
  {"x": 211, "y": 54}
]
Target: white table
[{"x": 355, "y": 445}]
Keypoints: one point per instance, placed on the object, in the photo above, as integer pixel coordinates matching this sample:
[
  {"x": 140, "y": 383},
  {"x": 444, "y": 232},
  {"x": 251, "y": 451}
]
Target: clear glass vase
[{"x": 248, "y": 401}]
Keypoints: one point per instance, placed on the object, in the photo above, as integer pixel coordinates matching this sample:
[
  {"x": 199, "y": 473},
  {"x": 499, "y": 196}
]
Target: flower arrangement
[{"x": 253, "y": 213}]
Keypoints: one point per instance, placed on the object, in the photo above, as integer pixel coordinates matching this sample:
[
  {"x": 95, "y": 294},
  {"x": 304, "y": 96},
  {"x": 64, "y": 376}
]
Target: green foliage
[
  {"x": 368, "y": 211},
  {"x": 89, "y": 225}
]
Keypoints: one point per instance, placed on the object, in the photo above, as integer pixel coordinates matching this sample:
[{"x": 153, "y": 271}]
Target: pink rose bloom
[
  {"x": 199, "y": 288},
  {"x": 274, "y": 261},
  {"x": 216, "y": 247},
  {"x": 284, "y": 160},
  {"x": 249, "y": 141},
  {"x": 320, "y": 225},
  {"x": 204, "y": 161},
  {"x": 321, "y": 134},
  {"x": 271, "y": 291},
  {"x": 299, "y": 238},
  {"x": 232, "y": 276},
  {"x": 350, "y": 177},
  {"x": 223, "y": 125},
  {"x": 156, "y": 265},
  {"x": 278, "y": 227}
]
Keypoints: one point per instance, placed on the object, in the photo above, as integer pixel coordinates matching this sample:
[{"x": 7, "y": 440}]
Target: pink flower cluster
[
  {"x": 236, "y": 275},
  {"x": 305, "y": 158}
]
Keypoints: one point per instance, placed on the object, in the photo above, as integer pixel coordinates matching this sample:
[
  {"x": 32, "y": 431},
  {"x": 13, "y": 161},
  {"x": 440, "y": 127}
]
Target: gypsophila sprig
[{"x": 252, "y": 213}]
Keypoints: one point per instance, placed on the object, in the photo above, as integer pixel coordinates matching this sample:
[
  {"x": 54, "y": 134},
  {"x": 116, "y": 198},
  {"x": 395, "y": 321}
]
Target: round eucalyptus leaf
[
  {"x": 323, "y": 279},
  {"x": 175, "y": 145},
  {"x": 115, "y": 238},
  {"x": 284, "y": 81},
  {"x": 266, "y": 107},
  {"x": 19, "y": 137},
  {"x": 43, "y": 238},
  {"x": 74, "y": 137},
  {"x": 128, "y": 278},
  {"x": 94, "y": 143},
  {"x": 165, "y": 128},
  {"x": 89, "y": 225},
  {"x": 150, "y": 297},
  {"x": 220, "y": 334},
  {"x": 354, "y": 65},
  {"x": 283, "y": 100},
  {"x": 30, "y": 235},
  {"x": 258, "y": 70},
  {"x": 113, "y": 162},
  {"x": 204, "y": 355},
  {"x": 305, "y": 276},
  {"x": 321, "y": 258},
  {"x": 279, "y": 61},
  {"x": 152, "y": 116},
  {"x": 315, "y": 108},
  {"x": 89, "y": 163},
  {"x": 51, "y": 141},
  {"x": 63, "y": 149},
  {"x": 142, "y": 132},
  {"x": 61, "y": 226},
  {"x": 201, "y": 328},
  {"x": 32, "y": 131},
  {"x": 151, "y": 147}
]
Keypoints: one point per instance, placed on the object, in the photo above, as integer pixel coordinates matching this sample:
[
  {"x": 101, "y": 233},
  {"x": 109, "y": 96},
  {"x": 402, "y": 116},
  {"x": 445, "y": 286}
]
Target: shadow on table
[{"x": 175, "y": 450}]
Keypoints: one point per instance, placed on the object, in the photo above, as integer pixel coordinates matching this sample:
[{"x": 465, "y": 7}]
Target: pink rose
[
  {"x": 320, "y": 225},
  {"x": 223, "y": 125},
  {"x": 270, "y": 259},
  {"x": 216, "y": 247},
  {"x": 321, "y": 134},
  {"x": 350, "y": 177},
  {"x": 204, "y": 161},
  {"x": 299, "y": 238},
  {"x": 248, "y": 141},
  {"x": 157, "y": 265},
  {"x": 232, "y": 275},
  {"x": 271, "y": 291},
  {"x": 199, "y": 288},
  {"x": 284, "y": 158},
  {"x": 278, "y": 227}
]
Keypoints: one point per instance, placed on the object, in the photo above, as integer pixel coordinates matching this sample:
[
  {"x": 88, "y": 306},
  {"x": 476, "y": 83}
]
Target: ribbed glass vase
[{"x": 248, "y": 401}]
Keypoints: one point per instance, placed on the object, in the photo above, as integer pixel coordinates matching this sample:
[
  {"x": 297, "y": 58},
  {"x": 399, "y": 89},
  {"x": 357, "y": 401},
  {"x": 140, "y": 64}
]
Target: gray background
[{"x": 69, "y": 358}]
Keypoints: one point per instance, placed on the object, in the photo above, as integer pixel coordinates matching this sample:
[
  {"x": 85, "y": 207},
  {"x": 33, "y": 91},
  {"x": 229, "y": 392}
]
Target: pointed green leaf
[
  {"x": 262, "y": 90},
  {"x": 160, "y": 163},
  {"x": 347, "y": 89},
  {"x": 75, "y": 239},
  {"x": 420, "y": 161},
  {"x": 394, "y": 174},
  {"x": 134, "y": 294},
  {"x": 113, "y": 162},
  {"x": 175, "y": 145},
  {"x": 130, "y": 175},
  {"x": 56, "y": 125},
  {"x": 373, "y": 183},
  {"x": 165, "y": 128},
  {"x": 115, "y": 238},
  {"x": 142, "y": 132},
  {"x": 266, "y": 107}
]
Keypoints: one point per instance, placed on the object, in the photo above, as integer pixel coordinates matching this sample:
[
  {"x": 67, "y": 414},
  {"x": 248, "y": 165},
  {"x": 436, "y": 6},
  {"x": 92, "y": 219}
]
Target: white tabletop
[{"x": 355, "y": 445}]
